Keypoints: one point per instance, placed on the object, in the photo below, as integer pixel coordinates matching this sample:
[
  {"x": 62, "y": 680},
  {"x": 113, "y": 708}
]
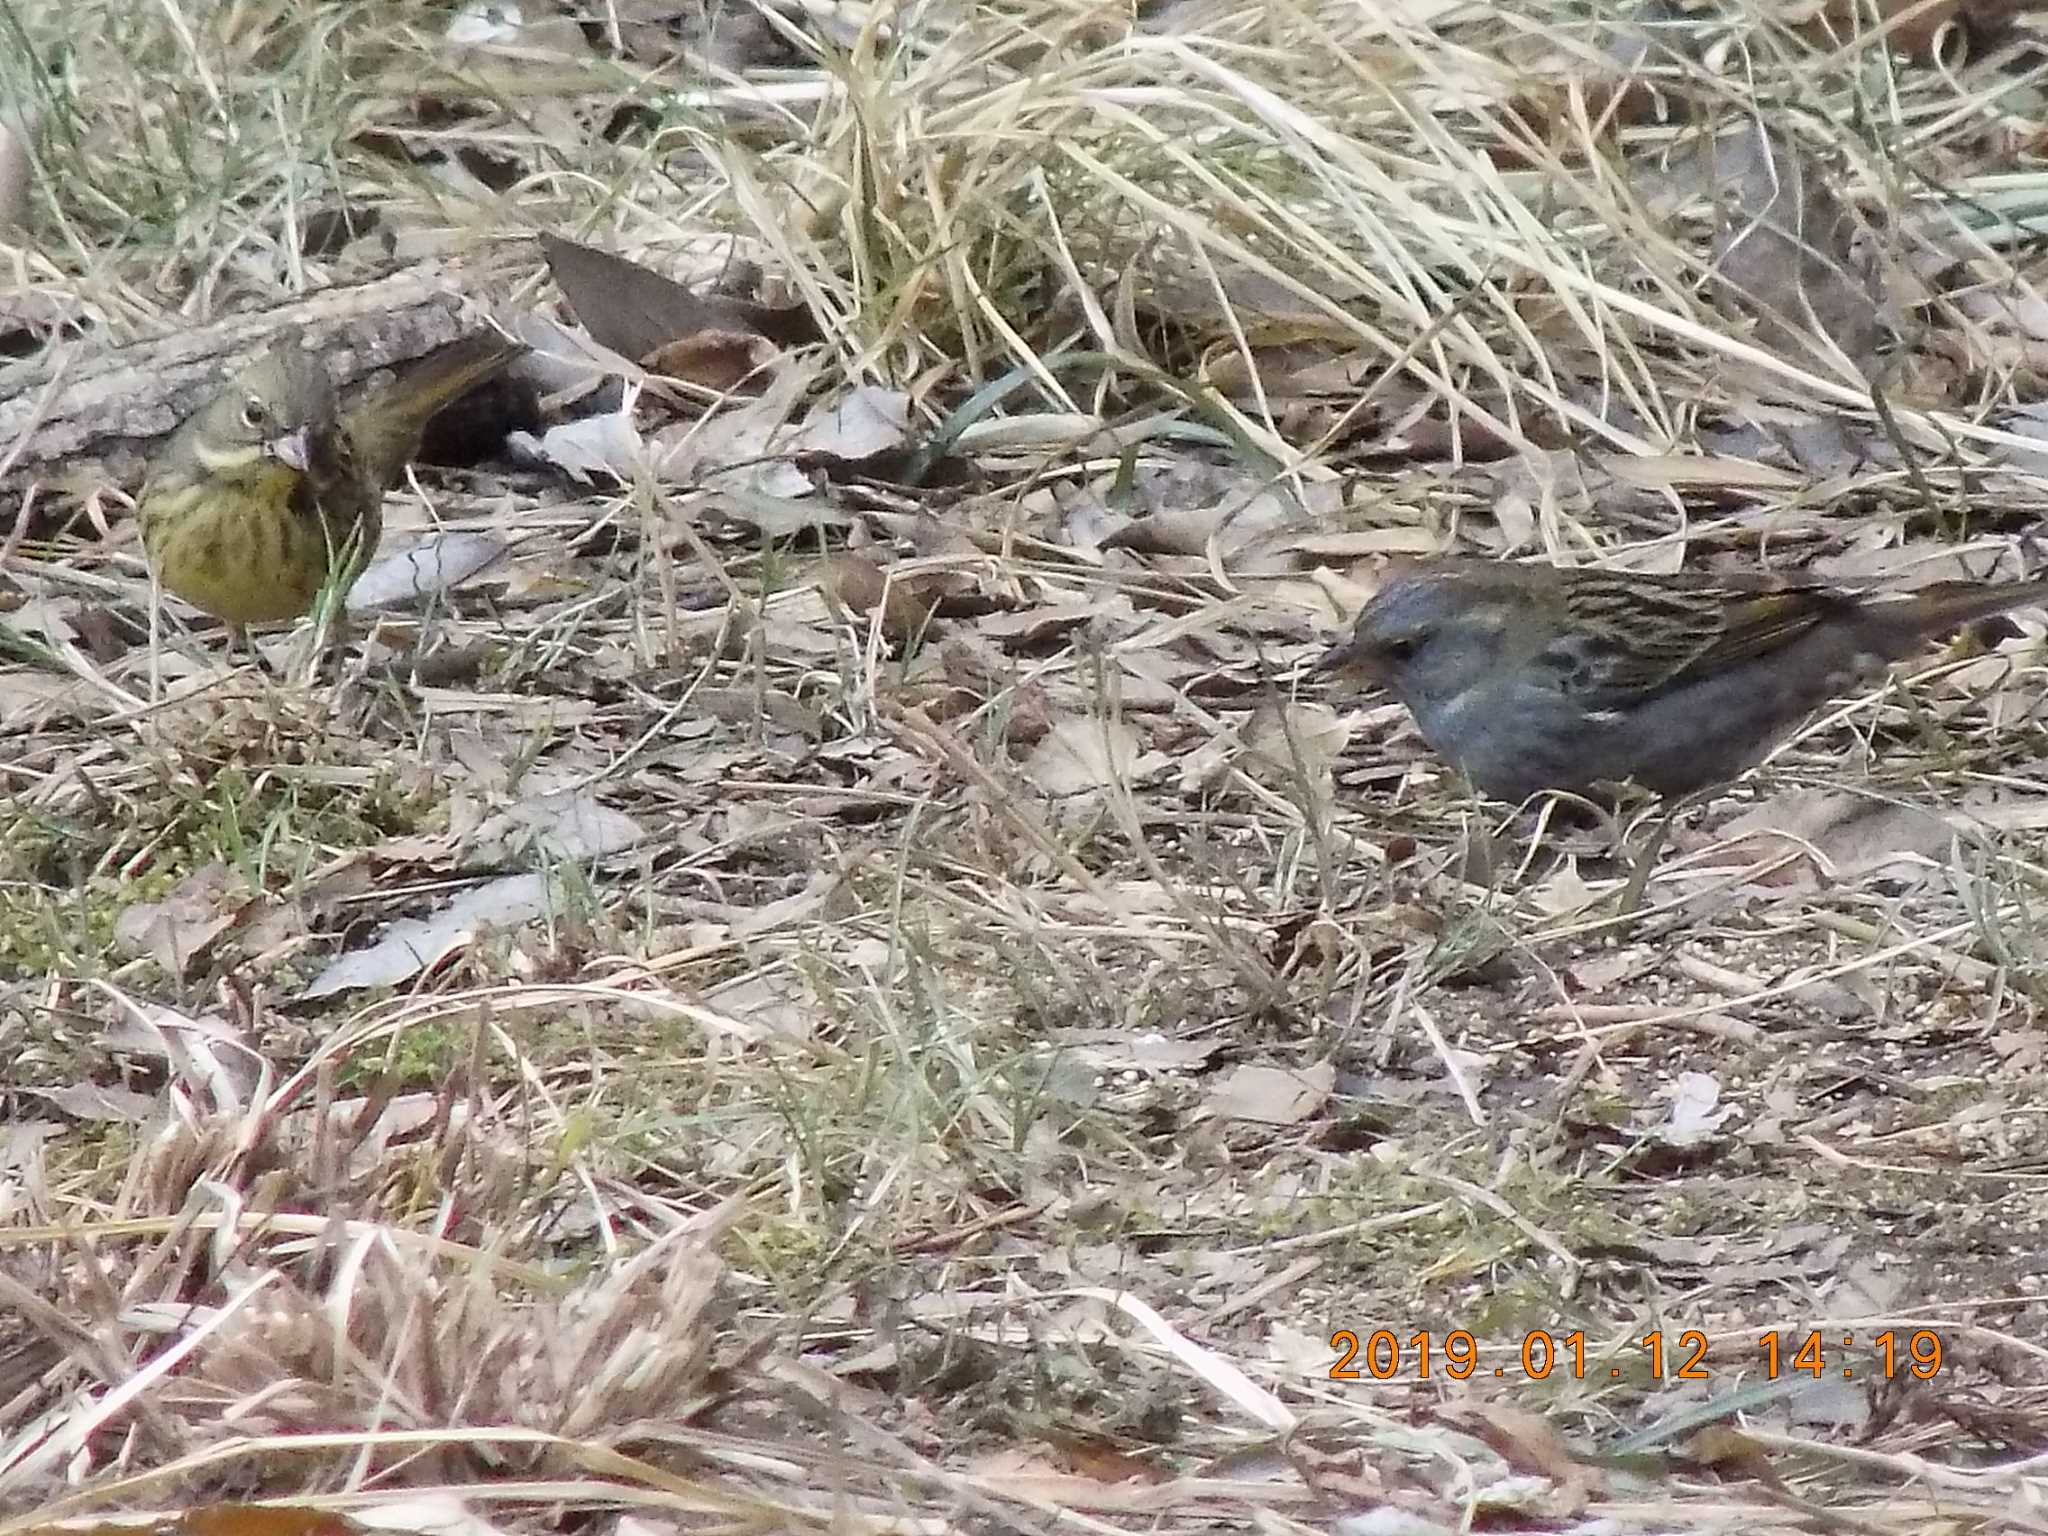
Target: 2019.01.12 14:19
[{"x": 1383, "y": 1355}]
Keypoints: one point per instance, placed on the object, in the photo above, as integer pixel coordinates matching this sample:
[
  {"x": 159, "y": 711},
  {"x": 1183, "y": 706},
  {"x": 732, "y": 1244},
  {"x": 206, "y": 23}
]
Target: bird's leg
[{"x": 240, "y": 645}]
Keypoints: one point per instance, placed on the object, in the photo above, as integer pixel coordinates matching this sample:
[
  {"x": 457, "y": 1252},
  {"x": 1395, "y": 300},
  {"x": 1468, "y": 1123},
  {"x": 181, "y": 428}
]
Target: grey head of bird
[
  {"x": 277, "y": 409},
  {"x": 1434, "y": 635}
]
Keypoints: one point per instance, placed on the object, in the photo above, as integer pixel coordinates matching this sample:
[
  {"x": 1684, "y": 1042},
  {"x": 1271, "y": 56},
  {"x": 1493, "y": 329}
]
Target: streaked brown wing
[{"x": 1634, "y": 637}]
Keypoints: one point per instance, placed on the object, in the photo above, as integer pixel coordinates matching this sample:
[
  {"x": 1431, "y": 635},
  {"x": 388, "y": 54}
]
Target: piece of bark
[{"x": 79, "y": 414}]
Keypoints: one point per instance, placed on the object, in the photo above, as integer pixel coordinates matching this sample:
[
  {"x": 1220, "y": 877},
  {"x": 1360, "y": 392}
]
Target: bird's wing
[{"x": 1631, "y": 640}]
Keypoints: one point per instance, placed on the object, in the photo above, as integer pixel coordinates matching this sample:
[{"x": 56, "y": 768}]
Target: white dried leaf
[
  {"x": 568, "y": 824},
  {"x": 751, "y": 436},
  {"x": 862, "y": 422},
  {"x": 1293, "y": 742},
  {"x": 610, "y": 443},
  {"x": 1273, "y": 1095},
  {"x": 411, "y": 945},
  {"x": 1694, "y": 1117},
  {"x": 438, "y": 563},
  {"x": 1081, "y": 756}
]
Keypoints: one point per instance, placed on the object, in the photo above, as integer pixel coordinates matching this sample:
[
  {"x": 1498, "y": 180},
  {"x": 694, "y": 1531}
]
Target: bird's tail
[
  {"x": 1945, "y": 606},
  {"x": 388, "y": 412}
]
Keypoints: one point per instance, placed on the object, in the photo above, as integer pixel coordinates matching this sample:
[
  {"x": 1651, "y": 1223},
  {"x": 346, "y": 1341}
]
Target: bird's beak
[
  {"x": 1347, "y": 655},
  {"x": 295, "y": 450}
]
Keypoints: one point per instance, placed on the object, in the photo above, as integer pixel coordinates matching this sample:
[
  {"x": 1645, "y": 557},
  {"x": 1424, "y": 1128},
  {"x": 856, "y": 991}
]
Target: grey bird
[{"x": 1533, "y": 677}]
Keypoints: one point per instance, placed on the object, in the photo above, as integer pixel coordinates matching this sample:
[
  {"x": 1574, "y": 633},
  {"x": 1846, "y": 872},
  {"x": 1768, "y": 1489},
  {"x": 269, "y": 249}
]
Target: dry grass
[{"x": 964, "y": 1079}]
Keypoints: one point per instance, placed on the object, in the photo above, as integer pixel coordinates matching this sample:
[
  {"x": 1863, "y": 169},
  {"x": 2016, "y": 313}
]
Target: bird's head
[
  {"x": 1431, "y": 634},
  {"x": 275, "y": 413}
]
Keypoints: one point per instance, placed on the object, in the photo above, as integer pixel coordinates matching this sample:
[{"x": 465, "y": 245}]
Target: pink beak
[{"x": 294, "y": 451}]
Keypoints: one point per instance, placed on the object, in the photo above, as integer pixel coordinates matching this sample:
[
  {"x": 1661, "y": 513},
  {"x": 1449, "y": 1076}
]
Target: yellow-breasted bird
[{"x": 278, "y": 480}]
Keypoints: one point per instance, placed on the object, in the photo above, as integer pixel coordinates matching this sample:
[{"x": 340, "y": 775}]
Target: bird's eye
[
  {"x": 1402, "y": 649},
  {"x": 254, "y": 415}
]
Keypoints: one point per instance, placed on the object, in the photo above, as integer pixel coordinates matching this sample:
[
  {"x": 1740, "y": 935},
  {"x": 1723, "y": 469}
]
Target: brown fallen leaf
[
  {"x": 1097, "y": 1459},
  {"x": 1854, "y": 835},
  {"x": 1294, "y": 747},
  {"x": 636, "y": 311},
  {"x": 1080, "y": 758},
  {"x": 220, "y": 1520},
  {"x": 1725, "y": 1447},
  {"x": 263, "y": 1520},
  {"x": 179, "y": 929},
  {"x": 1566, "y": 120},
  {"x": 1911, "y": 27},
  {"x": 859, "y": 585},
  {"x": 1531, "y": 1443},
  {"x": 1789, "y": 250},
  {"x": 713, "y": 359}
]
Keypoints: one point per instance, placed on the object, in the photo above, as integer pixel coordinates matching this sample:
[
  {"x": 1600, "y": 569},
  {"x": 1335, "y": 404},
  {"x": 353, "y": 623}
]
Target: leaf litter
[{"x": 716, "y": 870}]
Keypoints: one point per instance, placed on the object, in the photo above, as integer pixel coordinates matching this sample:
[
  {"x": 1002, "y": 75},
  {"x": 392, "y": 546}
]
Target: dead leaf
[
  {"x": 100, "y": 1102},
  {"x": 263, "y": 1520},
  {"x": 2020, "y": 1051},
  {"x": 860, "y": 586},
  {"x": 743, "y": 444},
  {"x": 438, "y": 563},
  {"x": 1531, "y": 1443},
  {"x": 1273, "y": 1095},
  {"x": 1912, "y": 27},
  {"x": 567, "y": 363},
  {"x": 412, "y": 945},
  {"x": 180, "y": 928},
  {"x": 1562, "y": 120},
  {"x": 1698, "y": 473},
  {"x": 1080, "y": 757},
  {"x": 1597, "y": 972},
  {"x": 1854, "y": 835},
  {"x": 1564, "y": 892},
  {"x": 856, "y": 425},
  {"x": 1232, "y": 524},
  {"x": 1839, "y": 1404},
  {"x": 1114, "y": 1051},
  {"x": 636, "y": 311},
  {"x": 213, "y": 1058},
  {"x": 1294, "y": 748},
  {"x": 1044, "y": 625},
  {"x": 569, "y": 824},
  {"x": 777, "y": 517},
  {"x": 609, "y": 444},
  {"x": 1693, "y": 1118},
  {"x": 1724, "y": 1446},
  {"x": 483, "y": 25},
  {"x": 728, "y": 41},
  {"x": 1880, "y": 554},
  {"x": 1104, "y": 1463},
  {"x": 1369, "y": 541},
  {"x": 764, "y": 1004},
  {"x": 721, "y": 361},
  {"x": 1794, "y": 254},
  {"x": 824, "y": 894}
]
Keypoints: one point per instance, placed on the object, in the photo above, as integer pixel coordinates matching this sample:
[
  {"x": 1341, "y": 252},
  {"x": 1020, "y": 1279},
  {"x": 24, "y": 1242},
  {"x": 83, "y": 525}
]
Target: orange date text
[{"x": 1385, "y": 1354}]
